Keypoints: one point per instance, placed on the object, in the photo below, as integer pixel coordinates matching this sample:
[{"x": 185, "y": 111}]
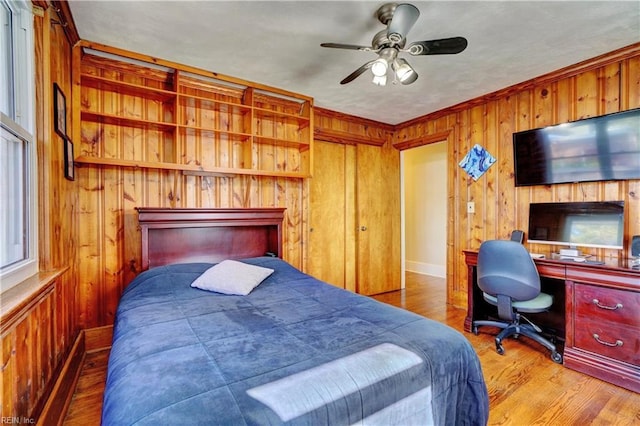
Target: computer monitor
[{"x": 598, "y": 224}]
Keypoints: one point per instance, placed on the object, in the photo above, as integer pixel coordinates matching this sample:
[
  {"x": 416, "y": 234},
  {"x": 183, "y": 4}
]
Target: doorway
[{"x": 424, "y": 209}]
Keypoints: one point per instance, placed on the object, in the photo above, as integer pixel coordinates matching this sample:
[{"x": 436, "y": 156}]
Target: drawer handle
[
  {"x": 611, "y": 308},
  {"x": 602, "y": 342}
]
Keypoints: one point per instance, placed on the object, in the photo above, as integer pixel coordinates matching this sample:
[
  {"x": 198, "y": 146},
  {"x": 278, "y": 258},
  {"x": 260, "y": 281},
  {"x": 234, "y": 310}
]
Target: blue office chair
[{"x": 509, "y": 280}]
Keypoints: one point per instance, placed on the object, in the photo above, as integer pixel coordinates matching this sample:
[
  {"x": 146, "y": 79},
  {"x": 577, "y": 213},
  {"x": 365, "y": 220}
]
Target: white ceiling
[{"x": 277, "y": 43}]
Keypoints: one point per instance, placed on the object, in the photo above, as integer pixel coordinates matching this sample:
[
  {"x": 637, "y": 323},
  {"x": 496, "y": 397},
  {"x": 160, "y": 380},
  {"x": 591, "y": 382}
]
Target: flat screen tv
[
  {"x": 593, "y": 149},
  {"x": 597, "y": 224}
]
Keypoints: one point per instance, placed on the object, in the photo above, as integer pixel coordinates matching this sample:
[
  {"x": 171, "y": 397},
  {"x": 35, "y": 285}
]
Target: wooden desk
[{"x": 601, "y": 315}]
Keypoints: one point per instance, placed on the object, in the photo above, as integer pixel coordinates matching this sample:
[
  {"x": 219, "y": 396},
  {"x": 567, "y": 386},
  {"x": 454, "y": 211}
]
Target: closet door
[
  {"x": 378, "y": 219},
  {"x": 331, "y": 215}
]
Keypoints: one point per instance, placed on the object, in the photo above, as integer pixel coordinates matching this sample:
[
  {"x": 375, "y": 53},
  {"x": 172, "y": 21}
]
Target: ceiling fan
[{"x": 390, "y": 42}]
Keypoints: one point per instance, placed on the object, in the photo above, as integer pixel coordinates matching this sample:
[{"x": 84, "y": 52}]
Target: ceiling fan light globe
[
  {"x": 380, "y": 80},
  {"x": 404, "y": 72},
  {"x": 409, "y": 77},
  {"x": 379, "y": 67}
]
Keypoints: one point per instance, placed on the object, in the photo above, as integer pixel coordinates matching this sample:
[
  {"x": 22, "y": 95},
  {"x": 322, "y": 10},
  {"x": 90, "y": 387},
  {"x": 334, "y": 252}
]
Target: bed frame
[
  {"x": 208, "y": 235},
  {"x": 243, "y": 339}
]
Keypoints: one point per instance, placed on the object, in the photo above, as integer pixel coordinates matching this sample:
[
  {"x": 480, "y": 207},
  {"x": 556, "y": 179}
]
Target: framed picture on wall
[
  {"x": 59, "y": 111},
  {"x": 69, "y": 169}
]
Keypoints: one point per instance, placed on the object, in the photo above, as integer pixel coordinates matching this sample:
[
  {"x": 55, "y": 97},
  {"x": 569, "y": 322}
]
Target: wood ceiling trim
[
  {"x": 360, "y": 130},
  {"x": 66, "y": 20},
  {"x": 599, "y": 61},
  {"x": 421, "y": 140}
]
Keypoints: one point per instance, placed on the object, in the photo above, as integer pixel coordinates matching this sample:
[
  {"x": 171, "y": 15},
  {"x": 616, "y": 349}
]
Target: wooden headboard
[{"x": 208, "y": 235}]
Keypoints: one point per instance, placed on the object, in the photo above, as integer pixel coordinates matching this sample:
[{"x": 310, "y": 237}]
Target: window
[{"x": 18, "y": 196}]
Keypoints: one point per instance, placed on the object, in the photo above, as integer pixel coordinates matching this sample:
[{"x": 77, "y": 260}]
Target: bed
[{"x": 294, "y": 350}]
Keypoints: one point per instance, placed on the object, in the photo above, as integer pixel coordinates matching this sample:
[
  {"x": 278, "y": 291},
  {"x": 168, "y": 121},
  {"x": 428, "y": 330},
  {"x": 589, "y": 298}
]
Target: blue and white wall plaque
[{"x": 477, "y": 161}]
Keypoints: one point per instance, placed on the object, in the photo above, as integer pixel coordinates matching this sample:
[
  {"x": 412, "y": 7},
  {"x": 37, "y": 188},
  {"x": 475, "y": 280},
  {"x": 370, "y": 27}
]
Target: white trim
[
  {"x": 18, "y": 273},
  {"x": 25, "y": 66},
  {"x": 408, "y": 265},
  {"x": 427, "y": 269},
  {"x": 15, "y": 273},
  {"x": 6, "y": 104},
  {"x": 403, "y": 241},
  {"x": 22, "y": 125}
]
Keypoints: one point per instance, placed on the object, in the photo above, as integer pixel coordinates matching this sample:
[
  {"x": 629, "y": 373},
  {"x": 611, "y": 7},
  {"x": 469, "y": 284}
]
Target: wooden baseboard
[
  {"x": 88, "y": 340},
  {"x": 58, "y": 402},
  {"x": 98, "y": 338}
]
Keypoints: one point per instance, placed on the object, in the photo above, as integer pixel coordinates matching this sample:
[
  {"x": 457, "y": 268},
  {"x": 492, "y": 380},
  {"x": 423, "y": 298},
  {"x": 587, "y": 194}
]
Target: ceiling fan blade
[
  {"x": 347, "y": 46},
  {"x": 357, "y": 73},
  {"x": 404, "y": 17},
  {"x": 445, "y": 46}
]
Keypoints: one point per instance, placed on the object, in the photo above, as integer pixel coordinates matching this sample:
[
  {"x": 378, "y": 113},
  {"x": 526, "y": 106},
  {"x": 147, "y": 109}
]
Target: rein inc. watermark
[{"x": 18, "y": 420}]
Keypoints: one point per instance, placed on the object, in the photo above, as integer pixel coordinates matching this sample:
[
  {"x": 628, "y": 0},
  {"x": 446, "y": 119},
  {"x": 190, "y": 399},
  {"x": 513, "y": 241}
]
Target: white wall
[{"x": 425, "y": 209}]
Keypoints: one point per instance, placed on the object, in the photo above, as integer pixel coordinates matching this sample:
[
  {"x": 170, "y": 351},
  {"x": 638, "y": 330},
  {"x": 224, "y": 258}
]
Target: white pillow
[{"x": 232, "y": 277}]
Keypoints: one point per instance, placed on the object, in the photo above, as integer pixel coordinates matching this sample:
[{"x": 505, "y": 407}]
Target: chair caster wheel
[
  {"x": 499, "y": 348},
  {"x": 474, "y": 330},
  {"x": 556, "y": 357}
]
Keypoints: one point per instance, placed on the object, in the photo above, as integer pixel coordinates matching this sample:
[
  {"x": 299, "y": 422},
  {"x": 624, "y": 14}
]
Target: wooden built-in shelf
[
  {"x": 202, "y": 119},
  {"x": 213, "y": 104},
  {"x": 122, "y": 87},
  {"x": 186, "y": 169},
  {"x": 228, "y": 172},
  {"x": 303, "y": 146},
  {"x": 267, "y": 114},
  {"x": 123, "y": 121},
  {"x": 194, "y": 130}
]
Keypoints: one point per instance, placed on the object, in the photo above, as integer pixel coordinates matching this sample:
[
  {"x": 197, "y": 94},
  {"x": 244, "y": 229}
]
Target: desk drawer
[
  {"x": 611, "y": 340},
  {"x": 618, "y": 306}
]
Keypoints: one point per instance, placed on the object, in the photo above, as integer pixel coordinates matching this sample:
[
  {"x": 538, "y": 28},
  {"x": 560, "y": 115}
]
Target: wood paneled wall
[
  {"x": 109, "y": 241},
  {"x": 603, "y": 85},
  {"x": 356, "y": 184},
  {"x": 88, "y": 229},
  {"x": 108, "y": 255},
  {"x": 108, "y": 245},
  {"x": 38, "y": 332}
]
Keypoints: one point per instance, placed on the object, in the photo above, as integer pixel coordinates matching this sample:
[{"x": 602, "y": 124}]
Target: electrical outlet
[{"x": 471, "y": 207}]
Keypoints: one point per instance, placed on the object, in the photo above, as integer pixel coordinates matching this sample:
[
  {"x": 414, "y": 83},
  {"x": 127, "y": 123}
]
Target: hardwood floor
[
  {"x": 86, "y": 405},
  {"x": 525, "y": 386}
]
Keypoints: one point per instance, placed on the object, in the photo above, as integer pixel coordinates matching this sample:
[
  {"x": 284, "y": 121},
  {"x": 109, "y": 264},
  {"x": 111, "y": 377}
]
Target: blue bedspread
[{"x": 295, "y": 350}]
